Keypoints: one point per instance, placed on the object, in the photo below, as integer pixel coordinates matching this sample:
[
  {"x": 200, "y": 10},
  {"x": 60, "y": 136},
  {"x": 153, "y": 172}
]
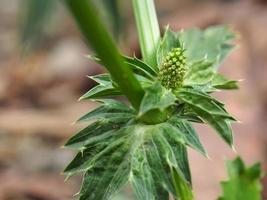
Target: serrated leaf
[
  {"x": 171, "y": 147},
  {"x": 210, "y": 111},
  {"x": 100, "y": 92},
  {"x": 204, "y": 102},
  {"x": 93, "y": 133},
  {"x": 81, "y": 160},
  {"x": 139, "y": 67},
  {"x": 156, "y": 98},
  {"x": 244, "y": 182},
  {"x": 169, "y": 41},
  {"x": 111, "y": 109},
  {"x": 102, "y": 79},
  {"x": 199, "y": 73},
  {"x": 110, "y": 145},
  {"x": 170, "y": 143},
  {"x": 161, "y": 150},
  {"x": 185, "y": 129},
  {"x": 104, "y": 89},
  {"x": 107, "y": 87},
  {"x": 106, "y": 170},
  {"x": 212, "y": 43},
  {"x": 108, "y": 173},
  {"x": 220, "y": 82},
  {"x": 141, "y": 177}
]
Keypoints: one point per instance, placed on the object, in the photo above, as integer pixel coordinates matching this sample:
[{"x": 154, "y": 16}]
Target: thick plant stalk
[
  {"x": 148, "y": 29},
  {"x": 96, "y": 34}
]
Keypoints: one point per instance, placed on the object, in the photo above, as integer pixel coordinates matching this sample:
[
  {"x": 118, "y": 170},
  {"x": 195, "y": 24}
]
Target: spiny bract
[{"x": 172, "y": 69}]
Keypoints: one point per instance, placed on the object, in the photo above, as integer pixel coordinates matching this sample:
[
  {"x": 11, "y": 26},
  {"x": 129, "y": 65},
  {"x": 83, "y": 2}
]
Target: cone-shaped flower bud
[{"x": 172, "y": 69}]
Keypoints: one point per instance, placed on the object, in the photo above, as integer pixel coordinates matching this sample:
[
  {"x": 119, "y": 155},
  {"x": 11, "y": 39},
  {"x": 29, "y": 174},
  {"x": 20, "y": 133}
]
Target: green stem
[
  {"x": 148, "y": 30},
  {"x": 96, "y": 34}
]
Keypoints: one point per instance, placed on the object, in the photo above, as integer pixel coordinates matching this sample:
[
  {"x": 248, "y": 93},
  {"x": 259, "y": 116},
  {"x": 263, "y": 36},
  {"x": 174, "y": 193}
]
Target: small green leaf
[
  {"x": 101, "y": 91},
  {"x": 171, "y": 144},
  {"x": 82, "y": 160},
  {"x": 169, "y": 41},
  {"x": 111, "y": 109},
  {"x": 172, "y": 153},
  {"x": 244, "y": 182},
  {"x": 210, "y": 110},
  {"x": 204, "y": 102},
  {"x": 156, "y": 97},
  {"x": 108, "y": 173},
  {"x": 141, "y": 176},
  {"x": 220, "y": 82},
  {"x": 199, "y": 73},
  {"x": 137, "y": 66},
  {"x": 185, "y": 129},
  {"x": 94, "y": 133},
  {"x": 212, "y": 43},
  {"x": 141, "y": 67},
  {"x": 104, "y": 89}
]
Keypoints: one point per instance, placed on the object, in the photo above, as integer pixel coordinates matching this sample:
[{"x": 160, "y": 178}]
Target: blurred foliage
[
  {"x": 36, "y": 17},
  {"x": 33, "y": 20},
  {"x": 244, "y": 182}
]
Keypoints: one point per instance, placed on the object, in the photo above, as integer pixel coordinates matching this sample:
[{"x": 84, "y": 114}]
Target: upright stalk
[
  {"x": 148, "y": 29},
  {"x": 96, "y": 34}
]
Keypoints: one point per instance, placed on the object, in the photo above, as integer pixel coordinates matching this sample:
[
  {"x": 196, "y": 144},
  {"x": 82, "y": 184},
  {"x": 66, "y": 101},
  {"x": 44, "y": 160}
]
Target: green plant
[
  {"x": 244, "y": 182},
  {"x": 145, "y": 143}
]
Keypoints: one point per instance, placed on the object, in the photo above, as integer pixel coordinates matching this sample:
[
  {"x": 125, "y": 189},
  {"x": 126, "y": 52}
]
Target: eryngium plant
[
  {"x": 148, "y": 147},
  {"x": 145, "y": 143}
]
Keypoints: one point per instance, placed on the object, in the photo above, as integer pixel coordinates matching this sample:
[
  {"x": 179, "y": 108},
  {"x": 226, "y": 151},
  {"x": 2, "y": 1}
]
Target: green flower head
[{"x": 172, "y": 69}]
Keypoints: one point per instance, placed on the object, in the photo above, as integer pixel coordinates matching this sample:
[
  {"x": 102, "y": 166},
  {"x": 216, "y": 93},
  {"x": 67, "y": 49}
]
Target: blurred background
[{"x": 43, "y": 72}]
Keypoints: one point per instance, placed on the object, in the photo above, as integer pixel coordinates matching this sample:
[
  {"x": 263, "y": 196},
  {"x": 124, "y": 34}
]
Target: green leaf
[
  {"x": 104, "y": 89},
  {"x": 141, "y": 177},
  {"x": 204, "y": 102},
  {"x": 169, "y": 41},
  {"x": 112, "y": 110},
  {"x": 160, "y": 150},
  {"x": 220, "y": 82},
  {"x": 185, "y": 129},
  {"x": 94, "y": 133},
  {"x": 140, "y": 67},
  {"x": 111, "y": 156},
  {"x": 101, "y": 91},
  {"x": 199, "y": 73},
  {"x": 82, "y": 160},
  {"x": 244, "y": 182},
  {"x": 171, "y": 147},
  {"x": 212, "y": 43},
  {"x": 108, "y": 173},
  {"x": 210, "y": 110},
  {"x": 156, "y": 98}
]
